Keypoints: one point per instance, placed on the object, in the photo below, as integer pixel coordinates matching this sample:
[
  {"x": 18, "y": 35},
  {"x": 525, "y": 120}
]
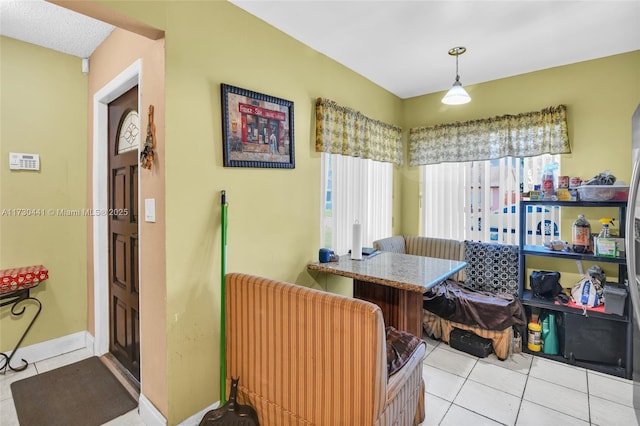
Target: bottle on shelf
[
  {"x": 581, "y": 235},
  {"x": 534, "y": 340},
  {"x": 550, "y": 344},
  {"x": 604, "y": 232}
]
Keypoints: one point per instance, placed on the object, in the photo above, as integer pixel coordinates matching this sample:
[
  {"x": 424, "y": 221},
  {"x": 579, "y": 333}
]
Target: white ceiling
[{"x": 400, "y": 45}]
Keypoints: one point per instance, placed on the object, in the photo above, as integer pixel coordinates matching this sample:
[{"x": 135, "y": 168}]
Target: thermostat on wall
[{"x": 21, "y": 161}]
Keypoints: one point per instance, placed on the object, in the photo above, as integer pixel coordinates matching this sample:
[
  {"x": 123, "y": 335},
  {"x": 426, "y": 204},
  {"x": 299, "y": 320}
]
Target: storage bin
[
  {"x": 592, "y": 339},
  {"x": 615, "y": 297},
  {"x": 603, "y": 192}
]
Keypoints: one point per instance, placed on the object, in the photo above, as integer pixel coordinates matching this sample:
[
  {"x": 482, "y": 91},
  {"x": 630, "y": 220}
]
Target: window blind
[
  {"x": 355, "y": 189},
  {"x": 479, "y": 200}
]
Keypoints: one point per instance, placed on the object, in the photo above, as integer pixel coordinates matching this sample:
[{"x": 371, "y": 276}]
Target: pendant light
[{"x": 456, "y": 95}]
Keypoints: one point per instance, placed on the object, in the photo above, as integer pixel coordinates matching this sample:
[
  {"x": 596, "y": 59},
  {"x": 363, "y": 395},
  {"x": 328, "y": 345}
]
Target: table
[
  {"x": 15, "y": 284},
  {"x": 395, "y": 282}
]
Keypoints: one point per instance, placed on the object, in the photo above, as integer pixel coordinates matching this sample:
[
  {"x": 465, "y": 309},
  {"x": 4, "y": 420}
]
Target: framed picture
[{"x": 257, "y": 129}]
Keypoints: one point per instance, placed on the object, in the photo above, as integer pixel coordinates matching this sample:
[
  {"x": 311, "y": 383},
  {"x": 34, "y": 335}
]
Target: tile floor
[
  {"x": 523, "y": 390},
  {"x": 463, "y": 390}
]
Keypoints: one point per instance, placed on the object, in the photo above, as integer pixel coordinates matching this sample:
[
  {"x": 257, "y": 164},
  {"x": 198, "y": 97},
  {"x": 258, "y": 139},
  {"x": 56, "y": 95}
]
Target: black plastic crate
[{"x": 584, "y": 338}]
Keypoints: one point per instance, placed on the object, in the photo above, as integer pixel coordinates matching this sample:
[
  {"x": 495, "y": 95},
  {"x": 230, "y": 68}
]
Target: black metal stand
[{"x": 14, "y": 299}]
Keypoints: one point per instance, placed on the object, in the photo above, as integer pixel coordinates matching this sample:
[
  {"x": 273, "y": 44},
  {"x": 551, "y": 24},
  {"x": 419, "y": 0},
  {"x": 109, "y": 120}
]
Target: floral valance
[
  {"x": 341, "y": 130},
  {"x": 522, "y": 135}
]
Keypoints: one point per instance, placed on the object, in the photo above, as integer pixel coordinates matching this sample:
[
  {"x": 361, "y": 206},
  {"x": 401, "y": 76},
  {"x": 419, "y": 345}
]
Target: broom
[
  {"x": 223, "y": 268},
  {"x": 229, "y": 413}
]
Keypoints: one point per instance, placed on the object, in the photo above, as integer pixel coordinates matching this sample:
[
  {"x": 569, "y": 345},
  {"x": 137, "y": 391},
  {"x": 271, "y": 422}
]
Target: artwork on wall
[{"x": 257, "y": 129}]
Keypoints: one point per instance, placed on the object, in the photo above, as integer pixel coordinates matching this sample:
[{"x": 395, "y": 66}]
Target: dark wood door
[{"x": 124, "y": 302}]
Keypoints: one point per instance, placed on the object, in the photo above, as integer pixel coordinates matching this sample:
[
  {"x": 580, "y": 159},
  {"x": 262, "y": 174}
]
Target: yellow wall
[
  {"x": 44, "y": 104},
  {"x": 274, "y": 215}
]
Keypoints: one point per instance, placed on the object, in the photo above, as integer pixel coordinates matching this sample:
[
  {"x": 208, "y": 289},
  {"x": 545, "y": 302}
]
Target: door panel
[{"x": 124, "y": 335}]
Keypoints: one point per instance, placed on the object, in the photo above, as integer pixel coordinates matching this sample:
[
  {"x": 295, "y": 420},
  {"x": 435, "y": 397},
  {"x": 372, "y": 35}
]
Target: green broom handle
[{"x": 223, "y": 354}]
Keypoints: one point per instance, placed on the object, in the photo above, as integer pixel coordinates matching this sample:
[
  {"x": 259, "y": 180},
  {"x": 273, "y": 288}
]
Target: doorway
[
  {"x": 124, "y": 289},
  {"x": 122, "y": 83}
]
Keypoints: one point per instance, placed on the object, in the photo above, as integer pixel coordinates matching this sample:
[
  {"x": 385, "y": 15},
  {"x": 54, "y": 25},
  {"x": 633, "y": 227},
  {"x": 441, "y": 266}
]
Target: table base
[
  {"x": 401, "y": 309},
  {"x": 14, "y": 299}
]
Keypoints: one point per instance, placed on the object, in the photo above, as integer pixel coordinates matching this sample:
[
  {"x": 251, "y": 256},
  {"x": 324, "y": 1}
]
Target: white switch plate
[{"x": 149, "y": 209}]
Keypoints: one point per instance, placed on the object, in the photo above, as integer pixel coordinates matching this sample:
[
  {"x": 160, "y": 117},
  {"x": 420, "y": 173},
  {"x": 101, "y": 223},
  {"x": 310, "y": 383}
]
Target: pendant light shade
[{"x": 456, "y": 95}]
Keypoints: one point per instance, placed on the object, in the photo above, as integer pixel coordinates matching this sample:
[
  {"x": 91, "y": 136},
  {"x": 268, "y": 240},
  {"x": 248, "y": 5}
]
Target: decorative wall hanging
[
  {"x": 147, "y": 154},
  {"x": 257, "y": 130}
]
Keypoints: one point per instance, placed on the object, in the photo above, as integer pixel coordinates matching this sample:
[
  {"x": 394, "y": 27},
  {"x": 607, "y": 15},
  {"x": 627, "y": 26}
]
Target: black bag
[
  {"x": 545, "y": 284},
  {"x": 469, "y": 342}
]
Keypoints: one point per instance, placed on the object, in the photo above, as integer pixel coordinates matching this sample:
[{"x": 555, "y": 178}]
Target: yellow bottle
[{"x": 534, "y": 342}]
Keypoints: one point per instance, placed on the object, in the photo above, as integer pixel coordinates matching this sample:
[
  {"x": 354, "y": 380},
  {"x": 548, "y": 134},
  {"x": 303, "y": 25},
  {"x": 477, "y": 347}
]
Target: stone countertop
[{"x": 404, "y": 271}]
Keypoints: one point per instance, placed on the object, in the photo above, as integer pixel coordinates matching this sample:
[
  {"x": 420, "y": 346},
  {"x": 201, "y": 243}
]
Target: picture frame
[{"x": 257, "y": 129}]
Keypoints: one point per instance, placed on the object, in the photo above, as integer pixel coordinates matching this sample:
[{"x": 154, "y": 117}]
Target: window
[
  {"x": 479, "y": 200},
  {"x": 355, "y": 189}
]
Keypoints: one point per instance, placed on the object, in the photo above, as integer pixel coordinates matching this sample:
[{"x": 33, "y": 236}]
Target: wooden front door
[{"x": 124, "y": 307}]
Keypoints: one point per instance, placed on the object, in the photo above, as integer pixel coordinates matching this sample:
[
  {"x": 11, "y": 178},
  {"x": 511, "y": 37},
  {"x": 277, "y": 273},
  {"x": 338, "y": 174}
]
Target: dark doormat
[{"x": 84, "y": 393}]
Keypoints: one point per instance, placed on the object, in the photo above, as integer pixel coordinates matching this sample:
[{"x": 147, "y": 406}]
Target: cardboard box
[{"x": 608, "y": 247}]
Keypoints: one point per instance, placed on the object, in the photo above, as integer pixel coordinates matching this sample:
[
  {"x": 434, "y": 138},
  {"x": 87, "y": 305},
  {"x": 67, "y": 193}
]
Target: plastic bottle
[
  {"x": 548, "y": 182},
  {"x": 605, "y": 221},
  {"x": 550, "y": 335},
  {"x": 581, "y": 238},
  {"x": 534, "y": 341}
]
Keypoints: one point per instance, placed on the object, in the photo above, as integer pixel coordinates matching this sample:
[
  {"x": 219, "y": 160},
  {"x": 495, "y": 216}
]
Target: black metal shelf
[
  {"x": 528, "y": 300},
  {"x": 545, "y": 252},
  {"x": 617, "y": 204}
]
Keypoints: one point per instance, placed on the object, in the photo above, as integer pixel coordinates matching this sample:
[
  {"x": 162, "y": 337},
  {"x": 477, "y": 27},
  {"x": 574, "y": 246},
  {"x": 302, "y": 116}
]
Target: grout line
[{"x": 524, "y": 389}]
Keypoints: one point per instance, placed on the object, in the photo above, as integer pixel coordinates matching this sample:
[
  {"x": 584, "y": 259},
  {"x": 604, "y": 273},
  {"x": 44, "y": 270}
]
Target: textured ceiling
[{"x": 51, "y": 26}]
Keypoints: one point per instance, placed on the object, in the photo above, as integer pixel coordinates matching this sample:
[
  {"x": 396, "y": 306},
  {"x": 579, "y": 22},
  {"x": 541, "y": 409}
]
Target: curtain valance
[
  {"x": 522, "y": 135},
  {"x": 341, "y": 130}
]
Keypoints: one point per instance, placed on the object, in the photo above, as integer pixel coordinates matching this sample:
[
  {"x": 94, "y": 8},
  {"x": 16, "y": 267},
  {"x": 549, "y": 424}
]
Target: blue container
[{"x": 324, "y": 255}]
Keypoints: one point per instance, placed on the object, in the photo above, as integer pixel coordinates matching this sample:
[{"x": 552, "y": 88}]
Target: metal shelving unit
[{"x": 624, "y": 366}]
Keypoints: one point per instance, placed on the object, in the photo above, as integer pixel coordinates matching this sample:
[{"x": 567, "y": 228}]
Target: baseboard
[
  {"x": 195, "y": 419},
  {"x": 53, "y": 347},
  {"x": 88, "y": 342},
  {"x": 149, "y": 413}
]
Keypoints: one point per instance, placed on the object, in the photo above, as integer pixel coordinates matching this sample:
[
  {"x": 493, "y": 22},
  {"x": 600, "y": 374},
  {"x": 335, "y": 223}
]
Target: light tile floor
[
  {"x": 523, "y": 390},
  {"x": 463, "y": 390}
]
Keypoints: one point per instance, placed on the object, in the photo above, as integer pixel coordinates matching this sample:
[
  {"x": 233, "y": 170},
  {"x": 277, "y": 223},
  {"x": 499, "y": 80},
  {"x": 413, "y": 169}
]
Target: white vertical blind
[
  {"x": 479, "y": 200},
  {"x": 355, "y": 189}
]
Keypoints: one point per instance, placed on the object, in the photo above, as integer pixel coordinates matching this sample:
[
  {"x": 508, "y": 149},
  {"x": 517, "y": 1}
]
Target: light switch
[{"x": 149, "y": 209}]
